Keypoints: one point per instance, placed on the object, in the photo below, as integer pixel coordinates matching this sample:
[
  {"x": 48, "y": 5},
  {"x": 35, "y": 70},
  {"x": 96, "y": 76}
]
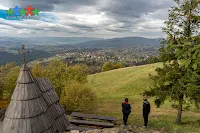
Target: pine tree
[{"x": 179, "y": 78}]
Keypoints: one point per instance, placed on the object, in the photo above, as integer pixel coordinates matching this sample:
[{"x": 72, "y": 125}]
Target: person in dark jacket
[
  {"x": 126, "y": 109},
  {"x": 146, "y": 110}
]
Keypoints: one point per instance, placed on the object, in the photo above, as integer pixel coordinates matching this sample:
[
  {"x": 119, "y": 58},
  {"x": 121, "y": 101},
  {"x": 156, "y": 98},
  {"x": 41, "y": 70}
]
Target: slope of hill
[
  {"x": 125, "y": 82},
  {"x": 120, "y": 42},
  {"x": 113, "y": 86}
]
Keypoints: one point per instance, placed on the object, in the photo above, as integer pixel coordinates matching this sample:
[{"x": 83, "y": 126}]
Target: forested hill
[
  {"x": 6, "y": 57},
  {"x": 121, "y": 42}
]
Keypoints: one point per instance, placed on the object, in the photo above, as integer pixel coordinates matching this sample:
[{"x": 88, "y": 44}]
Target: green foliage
[
  {"x": 189, "y": 53},
  {"x": 77, "y": 73},
  {"x": 78, "y": 97},
  {"x": 7, "y": 67},
  {"x": 152, "y": 60},
  {"x": 69, "y": 82},
  {"x": 1, "y": 88},
  {"x": 118, "y": 65},
  {"x": 110, "y": 66},
  {"x": 37, "y": 70},
  {"x": 9, "y": 74},
  {"x": 168, "y": 81},
  {"x": 60, "y": 75},
  {"x": 179, "y": 79},
  {"x": 10, "y": 81},
  {"x": 174, "y": 106},
  {"x": 56, "y": 71},
  {"x": 107, "y": 66},
  {"x": 157, "y": 102}
]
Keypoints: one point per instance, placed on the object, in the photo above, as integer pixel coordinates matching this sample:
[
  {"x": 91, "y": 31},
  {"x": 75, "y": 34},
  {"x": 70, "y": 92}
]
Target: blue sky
[{"x": 88, "y": 18}]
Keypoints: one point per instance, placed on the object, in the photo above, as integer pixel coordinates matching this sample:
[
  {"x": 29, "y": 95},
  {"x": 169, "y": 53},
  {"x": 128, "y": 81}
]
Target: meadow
[{"x": 114, "y": 86}]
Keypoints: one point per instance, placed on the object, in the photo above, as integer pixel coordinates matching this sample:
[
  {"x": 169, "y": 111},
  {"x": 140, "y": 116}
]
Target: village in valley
[{"x": 95, "y": 58}]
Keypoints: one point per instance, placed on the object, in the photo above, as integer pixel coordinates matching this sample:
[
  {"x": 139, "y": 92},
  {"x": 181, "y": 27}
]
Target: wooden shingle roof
[{"x": 34, "y": 107}]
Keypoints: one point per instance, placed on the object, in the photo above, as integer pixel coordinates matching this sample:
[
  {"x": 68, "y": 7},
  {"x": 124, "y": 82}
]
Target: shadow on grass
[
  {"x": 166, "y": 123},
  {"x": 192, "y": 123}
]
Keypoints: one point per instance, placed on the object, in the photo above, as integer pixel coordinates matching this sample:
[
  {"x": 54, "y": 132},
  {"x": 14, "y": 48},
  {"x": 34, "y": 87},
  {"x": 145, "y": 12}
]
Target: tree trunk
[{"x": 180, "y": 106}]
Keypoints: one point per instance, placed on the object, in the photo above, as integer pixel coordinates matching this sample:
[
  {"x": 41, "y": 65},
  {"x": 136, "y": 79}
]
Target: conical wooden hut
[{"x": 34, "y": 107}]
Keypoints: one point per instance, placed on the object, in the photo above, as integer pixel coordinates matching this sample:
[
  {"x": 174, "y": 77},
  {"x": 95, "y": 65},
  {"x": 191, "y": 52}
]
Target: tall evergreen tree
[{"x": 179, "y": 78}]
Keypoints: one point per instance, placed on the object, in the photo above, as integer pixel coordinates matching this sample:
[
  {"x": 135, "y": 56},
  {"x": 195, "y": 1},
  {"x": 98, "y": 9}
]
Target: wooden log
[
  {"x": 92, "y": 123},
  {"x": 93, "y": 116}
]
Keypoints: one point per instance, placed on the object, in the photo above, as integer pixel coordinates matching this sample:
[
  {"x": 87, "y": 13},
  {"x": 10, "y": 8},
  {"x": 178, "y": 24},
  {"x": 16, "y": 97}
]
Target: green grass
[{"x": 113, "y": 86}]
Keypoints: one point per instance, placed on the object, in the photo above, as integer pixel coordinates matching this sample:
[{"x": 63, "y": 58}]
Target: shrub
[
  {"x": 77, "y": 73},
  {"x": 107, "y": 66},
  {"x": 119, "y": 65},
  {"x": 78, "y": 97},
  {"x": 37, "y": 70},
  {"x": 10, "y": 82},
  {"x": 174, "y": 106},
  {"x": 110, "y": 66}
]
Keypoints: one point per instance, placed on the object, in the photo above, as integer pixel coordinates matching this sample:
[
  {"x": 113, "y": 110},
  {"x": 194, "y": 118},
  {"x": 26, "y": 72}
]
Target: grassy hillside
[
  {"x": 120, "y": 83},
  {"x": 113, "y": 86}
]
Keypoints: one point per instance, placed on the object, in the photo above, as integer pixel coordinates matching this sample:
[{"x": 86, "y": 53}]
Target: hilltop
[{"x": 113, "y": 86}]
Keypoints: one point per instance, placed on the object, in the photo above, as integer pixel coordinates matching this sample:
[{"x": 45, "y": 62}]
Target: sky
[{"x": 88, "y": 18}]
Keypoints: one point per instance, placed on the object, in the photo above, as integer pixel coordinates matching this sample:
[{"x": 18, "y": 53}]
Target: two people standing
[{"x": 126, "y": 109}]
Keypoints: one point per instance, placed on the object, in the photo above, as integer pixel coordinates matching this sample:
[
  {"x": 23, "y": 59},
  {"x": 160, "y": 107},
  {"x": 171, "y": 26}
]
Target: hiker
[
  {"x": 146, "y": 110},
  {"x": 126, "y": 109}
]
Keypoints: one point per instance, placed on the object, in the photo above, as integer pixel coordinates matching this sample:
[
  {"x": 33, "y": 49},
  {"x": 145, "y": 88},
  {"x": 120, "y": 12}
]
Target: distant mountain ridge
[
  {"x": 120, "y": 42},
  {"x": 15, "y": 42}
]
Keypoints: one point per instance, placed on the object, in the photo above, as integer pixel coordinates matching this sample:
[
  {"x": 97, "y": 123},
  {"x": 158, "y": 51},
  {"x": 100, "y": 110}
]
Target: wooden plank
[
  {"x": 72, "y": 127},
  {"x": 92, "y": 123},
  {"x": 93, "y": 116}
]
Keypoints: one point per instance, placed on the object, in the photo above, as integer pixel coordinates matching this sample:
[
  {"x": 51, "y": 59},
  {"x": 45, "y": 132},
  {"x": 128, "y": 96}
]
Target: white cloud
[
  {"x": 3, "y": 7},
  {"x": 100, "y": 20}
]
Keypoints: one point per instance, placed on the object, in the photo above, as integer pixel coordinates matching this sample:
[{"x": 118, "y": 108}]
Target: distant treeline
[
  {"x": 95, "y": 66},
  {"x": 6, "y": 57}
]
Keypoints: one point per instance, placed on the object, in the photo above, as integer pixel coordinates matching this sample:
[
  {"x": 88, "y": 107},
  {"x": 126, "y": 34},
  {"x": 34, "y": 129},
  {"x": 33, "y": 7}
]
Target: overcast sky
[{"x": 89, "y": 18}]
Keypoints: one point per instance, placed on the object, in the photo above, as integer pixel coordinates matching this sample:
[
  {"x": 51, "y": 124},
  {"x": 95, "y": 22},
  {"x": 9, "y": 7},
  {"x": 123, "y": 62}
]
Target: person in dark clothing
[
  {"x": 146, "y": 110},
  {"x": 126, "y": 109}
]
